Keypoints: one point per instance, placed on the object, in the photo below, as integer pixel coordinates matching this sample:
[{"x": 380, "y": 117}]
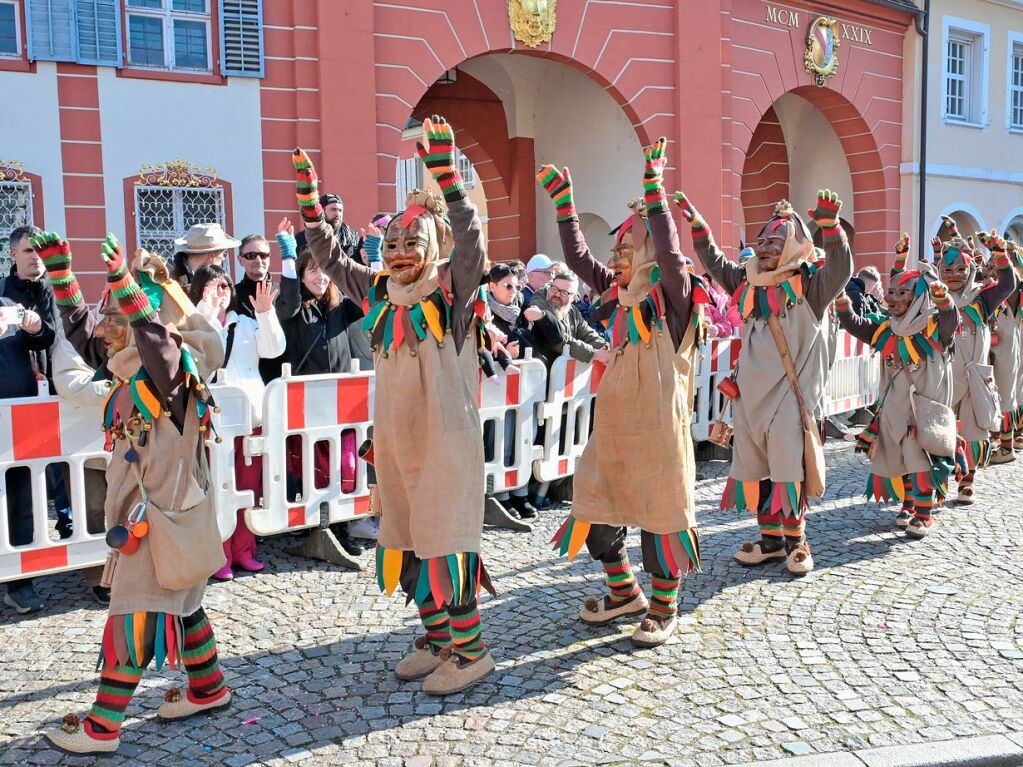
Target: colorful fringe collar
[
  {"x": 764, "y": 301},
  {"x": 389, "y": 326},
  {"x": 637, "y": 323},
  {"x": 138, "y": 397},
  {"x": 909, "y": 349}
]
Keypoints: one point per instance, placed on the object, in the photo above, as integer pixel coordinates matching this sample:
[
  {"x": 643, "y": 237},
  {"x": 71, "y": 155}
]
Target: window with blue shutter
[
  {"x": 241, "y": 38},
  {"x": 98, "y": 23},
  {"x": 51, "y": 30},
  {"x": 84, "y": 31}
]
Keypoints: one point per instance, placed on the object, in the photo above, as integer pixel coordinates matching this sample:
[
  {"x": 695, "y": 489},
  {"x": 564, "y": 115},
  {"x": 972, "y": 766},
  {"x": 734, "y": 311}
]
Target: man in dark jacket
[
  {"x": 334, "y": 214},
  {"x": 557, "y": 326},
  {"x": 863, "y": 290},
  {"x": 25, "y": 344},
  {"x": 254, "y": 255}
]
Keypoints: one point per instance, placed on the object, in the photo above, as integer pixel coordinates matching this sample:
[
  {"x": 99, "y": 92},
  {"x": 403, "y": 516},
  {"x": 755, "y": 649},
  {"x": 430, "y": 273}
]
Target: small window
[
  {"x": 10, "y": 31},
  {"x": 15, "y": 211},
  {"x": 965, "y": 73},
  {"x": 162, "y": 214},
  {"x": 169, "y": 34},
  {"x": 1016, "y": 88}
]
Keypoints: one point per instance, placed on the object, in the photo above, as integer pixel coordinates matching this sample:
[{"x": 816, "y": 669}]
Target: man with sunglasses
[{"x": 254, "y": 256}]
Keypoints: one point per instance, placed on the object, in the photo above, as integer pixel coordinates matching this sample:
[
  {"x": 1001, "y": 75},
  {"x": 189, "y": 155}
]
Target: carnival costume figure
[
  {"x": 1006, "y": 347},
  {"x": 638, "y": 467},
  {"x": 974, "y": 397},
  {"x": 422, "y": 314},
  {"x": 781, "y": 294},
  {"x": 155, "y": 351},
  {"x": 911, "y": 441}
]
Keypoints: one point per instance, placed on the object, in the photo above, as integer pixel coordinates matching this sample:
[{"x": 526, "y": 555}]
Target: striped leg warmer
[
  {"x": 621, "y": 581},
  {"x": 663, "y": 598},
  {"x": 435, "y": 621},
  {"x": 116, "y": 686},
  {"x": 205, "y": 679},
  {"x": 466, "y": 632},
  {"x": 923, "y": 496}
]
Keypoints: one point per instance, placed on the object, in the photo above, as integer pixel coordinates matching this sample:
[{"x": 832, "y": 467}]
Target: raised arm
[
  {"x": 853, "y": 323},
  {"x": 724, "y": 272},
  {"x": 902, "y": 251},
  {"x": 350, "y": 276},
  {"x": 76, "y": 318},
  {"x": 1007, "y": 281},
  {"x": 830, "y": 279},
  {"x": 577, "y": 253},
  {"x": 675, "y": 284},
  {"x": 948, "y": 314}
]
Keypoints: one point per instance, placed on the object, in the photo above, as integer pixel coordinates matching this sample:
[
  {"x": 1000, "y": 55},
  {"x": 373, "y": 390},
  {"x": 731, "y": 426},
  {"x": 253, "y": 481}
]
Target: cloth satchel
[
  {"x": 935, "y": 425},
  {"x": 987, "y": 407},
  {"x": 813, "y": 450},
  {"x": 185, "y": 544}
]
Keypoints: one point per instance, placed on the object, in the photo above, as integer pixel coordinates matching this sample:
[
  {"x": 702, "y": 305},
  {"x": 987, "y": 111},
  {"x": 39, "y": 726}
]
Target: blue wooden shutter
[
  {"x": 99, "y": 32},
  {"x": 241, "y": 38},
  {"x": 51, "y": 30}
]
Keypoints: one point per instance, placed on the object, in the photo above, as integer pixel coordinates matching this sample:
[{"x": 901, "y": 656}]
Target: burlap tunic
[
  {"x": 638, "y": 468},
  {"x": 168, "y": 463},
  {"x": 427, "y": 439},
  {"x": 1005, "y": 357},
  {"x": 896, "y": 450},
  {"x": 768, "y": 438}
]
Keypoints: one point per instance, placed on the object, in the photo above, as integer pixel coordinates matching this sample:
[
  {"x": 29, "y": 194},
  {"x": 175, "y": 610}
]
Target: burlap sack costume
[
  {"x": 169, "y": 462},
  {"x": 638, "y": 467},
  {"x": 427, "y": 438},
  {"x": 915, "y": 357},
  {"x": 768, "y": 437}
]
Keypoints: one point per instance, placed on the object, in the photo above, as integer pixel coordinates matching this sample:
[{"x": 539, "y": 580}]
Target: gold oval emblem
[{"x": 822, "y": 43}]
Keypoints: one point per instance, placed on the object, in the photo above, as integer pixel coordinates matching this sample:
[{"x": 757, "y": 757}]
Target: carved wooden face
[
  {"x": 621, "y": 260},
  {"x": 900, "y": 297},
  {"x": 405, "y": 249},
  {"x": 113, "y": 327},
  {"x": 956, "y": 274}
]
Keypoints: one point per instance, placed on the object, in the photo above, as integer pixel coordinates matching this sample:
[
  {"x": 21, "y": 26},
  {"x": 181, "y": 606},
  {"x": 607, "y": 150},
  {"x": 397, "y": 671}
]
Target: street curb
[{"x": 986, "y": 751}]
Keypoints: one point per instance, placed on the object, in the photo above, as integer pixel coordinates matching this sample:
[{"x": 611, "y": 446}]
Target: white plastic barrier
[
  {"x": 855, "y": 380},
  {"x": 566, "y": 416},
  {"x": 715, "y": 361},
  {"x": 514, "y": 396},
  {"x": 34, "y": 433},
  {"x": 314, "y": 409}
]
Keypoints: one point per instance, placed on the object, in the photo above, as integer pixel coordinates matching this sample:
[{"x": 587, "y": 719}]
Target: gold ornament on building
[
  {"x": 12, "y": 170},
  {"x": 533, "y": 21},
  {"x": 179, "y": 173},
  {"x": 822, "y": 43}
]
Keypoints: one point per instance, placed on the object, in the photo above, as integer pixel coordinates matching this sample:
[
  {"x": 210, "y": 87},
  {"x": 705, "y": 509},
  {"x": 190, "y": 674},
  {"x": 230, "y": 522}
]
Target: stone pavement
[{"x": 889, "y": 642}]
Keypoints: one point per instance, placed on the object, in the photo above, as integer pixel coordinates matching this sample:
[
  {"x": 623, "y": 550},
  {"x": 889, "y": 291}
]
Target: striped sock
[
  {"x": 205, "y": 679},
  {"x": 907, "y": 503},
  {"x": 466, "y": 635},
  {"x": 923, "y": 496},
  {"x": 1005, "y": 440},
  {"x": 435, "y": 621},
  {"x": 621, "y": 581},
  {"x": 663, "y": 598},
  {"x": 795, "y": 531},
  {"x": 116, "y": 686},
  {"x": 770, "y": 527}
]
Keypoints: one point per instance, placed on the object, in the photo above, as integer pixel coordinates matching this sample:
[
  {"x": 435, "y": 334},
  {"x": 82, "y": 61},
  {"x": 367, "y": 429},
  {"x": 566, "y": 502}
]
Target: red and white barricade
[
  {"x": 566, "y": 416},
  {"x": 34, "y": 433},
  {"x": 313, "y": 411},
  {"x": 715, "y": 361},
  {"x": 855, "y": 379},
  {"x": 234, "y": 420},
  {"x": 508, "y": 412}
]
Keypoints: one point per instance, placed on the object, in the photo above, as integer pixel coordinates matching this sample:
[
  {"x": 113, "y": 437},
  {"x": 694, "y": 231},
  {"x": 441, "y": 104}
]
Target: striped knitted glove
[
  {"x": 826, "y": 214},
  {"x": 131, "y": 298},
  {"x": 902, "y": 248},
  {"x": 559, "y": 187},
  {"x": 998, "y": 247},
  {"x": 842, "y": 303},
  {"x": 437, "y": 151},
  {"x": 940, "y": 295},
  {"x": 654, "y": 196},
  {"x": 949, "y": 228},
  {"x": 701, "y": 232},
  {"x": 936, "y": 249},
  {"x": 307, "y": 187},
  {"x": 56, "y": 256}
]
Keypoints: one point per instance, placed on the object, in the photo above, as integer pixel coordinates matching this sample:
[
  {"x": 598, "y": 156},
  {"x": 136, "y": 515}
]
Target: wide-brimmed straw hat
[{"x": 206, "y": 238}]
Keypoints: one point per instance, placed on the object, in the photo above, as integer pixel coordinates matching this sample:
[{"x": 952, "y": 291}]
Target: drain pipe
[{"x": 923, "y": 27}]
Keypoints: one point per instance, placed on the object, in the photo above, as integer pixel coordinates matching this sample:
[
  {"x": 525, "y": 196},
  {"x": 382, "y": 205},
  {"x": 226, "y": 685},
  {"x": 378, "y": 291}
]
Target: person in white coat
[{"x": 247, "y": 340}]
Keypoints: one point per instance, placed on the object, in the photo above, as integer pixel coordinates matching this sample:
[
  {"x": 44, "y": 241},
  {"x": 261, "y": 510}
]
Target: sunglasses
[{"x": 253, "y": 255}]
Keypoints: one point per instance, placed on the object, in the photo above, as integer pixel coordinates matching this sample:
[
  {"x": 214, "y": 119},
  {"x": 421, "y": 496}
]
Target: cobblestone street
[{"x": 888, "y": 642}]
